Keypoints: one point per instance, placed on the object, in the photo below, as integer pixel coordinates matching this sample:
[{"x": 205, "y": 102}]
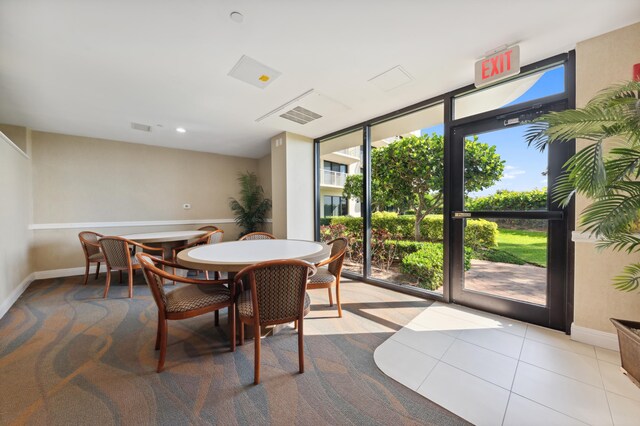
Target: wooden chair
[
  {"x": 257, "y": 236},
  {"x": 119, "y": 256},
  {"x": 209, "y": 228},
  {"x": 197, "y": 298},
  {"x": 211, "y": 237},
  {"x": 330, "y": 276},
  {"x": 277, "y": 295},
  {"x": 92, "y": 253}
]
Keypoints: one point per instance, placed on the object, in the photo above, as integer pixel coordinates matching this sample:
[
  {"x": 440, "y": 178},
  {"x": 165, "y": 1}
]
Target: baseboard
[
  {"x": 17, "y": 292},
  {"x": 594, "y": 337},
  {"x": 67, "y": 272}
]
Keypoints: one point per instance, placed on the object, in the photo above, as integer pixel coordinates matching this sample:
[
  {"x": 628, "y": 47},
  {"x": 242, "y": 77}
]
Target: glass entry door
[{"x": 508, "y": 240}]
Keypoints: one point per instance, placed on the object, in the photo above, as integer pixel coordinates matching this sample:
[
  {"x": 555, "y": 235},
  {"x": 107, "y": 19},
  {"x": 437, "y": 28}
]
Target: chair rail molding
[{"x": 89, "y": 225}]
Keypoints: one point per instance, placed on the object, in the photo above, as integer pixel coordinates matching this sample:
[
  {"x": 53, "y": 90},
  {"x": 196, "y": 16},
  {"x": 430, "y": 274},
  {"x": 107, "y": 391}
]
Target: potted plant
[
  {"x": 607, "y": 171},
  {"x": 252, "y": 208}
]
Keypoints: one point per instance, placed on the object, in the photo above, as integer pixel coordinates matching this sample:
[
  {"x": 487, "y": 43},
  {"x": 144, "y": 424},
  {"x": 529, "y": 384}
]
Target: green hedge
[
  {"x": 510, "y": 200},
  {"x": 426, "y": 264},
  {"x": 478, "y": 232}
]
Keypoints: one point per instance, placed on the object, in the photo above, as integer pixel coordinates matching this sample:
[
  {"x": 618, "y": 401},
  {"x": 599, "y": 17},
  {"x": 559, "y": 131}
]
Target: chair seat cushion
[
  {"x": 245, "y": 307},
  {"x": 191, "y": 297},
  {"x": 97, "y": 257},
  {"x": 322, "y": 276}
]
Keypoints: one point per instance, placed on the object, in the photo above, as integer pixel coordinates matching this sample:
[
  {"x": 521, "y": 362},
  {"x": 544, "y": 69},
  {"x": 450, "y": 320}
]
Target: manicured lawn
[{"x": 530, "y": 246}]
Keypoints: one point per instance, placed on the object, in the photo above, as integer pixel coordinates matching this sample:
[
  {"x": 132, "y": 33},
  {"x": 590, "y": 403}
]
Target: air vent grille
[
  {"x": 300, "y": 115},
  {"x": 141, "y": 127}
]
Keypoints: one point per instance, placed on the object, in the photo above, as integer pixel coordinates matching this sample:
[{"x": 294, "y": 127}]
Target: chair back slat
[
  {"x": 92, "y": 239},
  {"x": 116, "y": 252},
  {"x": 338, "y": 247}
]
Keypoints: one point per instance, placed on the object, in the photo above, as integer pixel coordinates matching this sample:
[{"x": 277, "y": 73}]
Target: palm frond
[
  {"x": 623, "y": 241},
  {"x": 629, "y": 280},
  {"x": 587, "y": 171},
  {"x": 252, "y": 208},
  {"x": 563, "y": 190},
  {"x": 611, "y": 214}
]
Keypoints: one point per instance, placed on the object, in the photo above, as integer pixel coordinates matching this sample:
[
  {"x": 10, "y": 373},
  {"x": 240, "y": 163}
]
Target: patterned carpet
[{"x": 67, "y": 356}]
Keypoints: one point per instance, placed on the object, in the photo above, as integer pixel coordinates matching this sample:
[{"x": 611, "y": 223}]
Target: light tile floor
[{"x": 492, "y": 370}]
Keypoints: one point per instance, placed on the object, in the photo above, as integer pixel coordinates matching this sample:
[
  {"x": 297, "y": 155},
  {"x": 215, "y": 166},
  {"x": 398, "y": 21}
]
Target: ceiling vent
[
  {"x": 305, "y": 110},
  {"x": 253, "y": 72},
  {"x": 391, "y": 79},
  {"x": 300, "y": 115},
  {"x": 141, "y": 127}
]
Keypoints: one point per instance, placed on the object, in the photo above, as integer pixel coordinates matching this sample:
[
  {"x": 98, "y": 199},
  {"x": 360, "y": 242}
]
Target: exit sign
[{"x": 498, "y": 66}]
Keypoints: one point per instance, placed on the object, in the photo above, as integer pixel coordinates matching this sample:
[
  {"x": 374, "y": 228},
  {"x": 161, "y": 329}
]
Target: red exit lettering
[{"x": 496, "y": 65}]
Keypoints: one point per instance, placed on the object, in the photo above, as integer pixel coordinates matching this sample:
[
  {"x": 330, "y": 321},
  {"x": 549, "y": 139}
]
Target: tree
[
  {"x": 353, "y": 189},
  {"x": 409, "y": 173}
]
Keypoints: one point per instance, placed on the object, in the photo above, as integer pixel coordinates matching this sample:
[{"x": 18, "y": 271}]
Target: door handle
[{"x": 460, "y": 215}]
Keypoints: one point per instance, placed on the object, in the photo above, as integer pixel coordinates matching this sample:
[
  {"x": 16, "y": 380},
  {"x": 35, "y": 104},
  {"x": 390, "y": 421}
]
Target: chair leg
[
  {"x": 338, "y": 299},
  {"x": 330, "y": 297},
  {"x": 130, "y": 284},
  {"x": 300, "y": 346},
  {"x": 163, "y": 344},
  {"x": 232, "y": 326},
  {"x": 256, "y": 361},
  {"x": 97, "y": 271},
  {"x": 86, "y": 273},
  {"x": 217, "y": 319},
  {"x": 158, "y": 331},
  {"x": 241, "y": 325},
  {"x": 120, "y": 276},
  {"x": 106, "y": 286},
  {"x": 295, "y": 325}
]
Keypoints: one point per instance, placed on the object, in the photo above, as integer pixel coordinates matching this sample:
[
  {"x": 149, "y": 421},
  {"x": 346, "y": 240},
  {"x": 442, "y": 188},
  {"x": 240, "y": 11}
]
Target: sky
[{"x": 523, "y": 165}]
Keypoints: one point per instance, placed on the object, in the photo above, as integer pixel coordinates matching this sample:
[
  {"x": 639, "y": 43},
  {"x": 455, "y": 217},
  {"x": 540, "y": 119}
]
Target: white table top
[
  {"x": 164, "y": 236},
  {"x": 234, "y": 255}
]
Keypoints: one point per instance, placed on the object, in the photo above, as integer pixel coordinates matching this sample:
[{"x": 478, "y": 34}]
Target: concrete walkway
[{"x": 526, "y": 283}]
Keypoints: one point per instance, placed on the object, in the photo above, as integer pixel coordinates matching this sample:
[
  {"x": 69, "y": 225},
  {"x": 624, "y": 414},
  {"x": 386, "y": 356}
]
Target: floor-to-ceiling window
[
  {"x": 340, "y": 176},
  {"x": 430, "y": 213}
]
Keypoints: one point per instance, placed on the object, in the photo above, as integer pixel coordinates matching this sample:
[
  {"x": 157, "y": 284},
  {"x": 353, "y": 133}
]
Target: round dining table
[
  {"x": 233, "y": 256},
  {"x": 168, "y": 240}
]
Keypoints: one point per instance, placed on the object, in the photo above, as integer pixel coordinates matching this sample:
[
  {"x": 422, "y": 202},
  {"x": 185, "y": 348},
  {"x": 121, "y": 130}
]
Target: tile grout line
[
  {"x": 549, "y": 408},
  {"x": 515, "y": 373},
  {"x": 604, "y": 388}
]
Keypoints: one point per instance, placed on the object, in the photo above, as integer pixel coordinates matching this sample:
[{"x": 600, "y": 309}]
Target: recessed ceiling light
[
  {"x": 181, "y": 130},
  {"x": 236, "y": 17}
]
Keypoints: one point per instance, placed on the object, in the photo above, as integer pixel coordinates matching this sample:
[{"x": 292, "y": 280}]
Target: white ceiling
[{"x": 91, "y": 67}]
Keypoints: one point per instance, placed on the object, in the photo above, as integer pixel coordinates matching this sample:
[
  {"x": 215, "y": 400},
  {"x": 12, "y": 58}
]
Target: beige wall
[
  {"x": 264, "y": 175},
  {"x": 279, "y": 185},
  {"x": 600, "y": 62},
  {"x": 17, "y": 134},
  {"x": 78, "y": 179},
  {"x": 300, "y": 187},
  {"x": 292, "y": 186},
  {"x": 15, "y": 217}
]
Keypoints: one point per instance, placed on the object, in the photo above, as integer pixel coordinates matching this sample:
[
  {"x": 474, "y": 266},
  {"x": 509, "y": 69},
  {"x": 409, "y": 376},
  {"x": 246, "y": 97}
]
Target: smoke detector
[{"x": 253, "y": 72}]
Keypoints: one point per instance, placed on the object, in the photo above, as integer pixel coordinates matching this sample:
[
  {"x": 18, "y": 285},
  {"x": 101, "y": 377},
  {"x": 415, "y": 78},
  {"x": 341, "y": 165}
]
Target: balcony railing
[{"x": 333, "y": 178}]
